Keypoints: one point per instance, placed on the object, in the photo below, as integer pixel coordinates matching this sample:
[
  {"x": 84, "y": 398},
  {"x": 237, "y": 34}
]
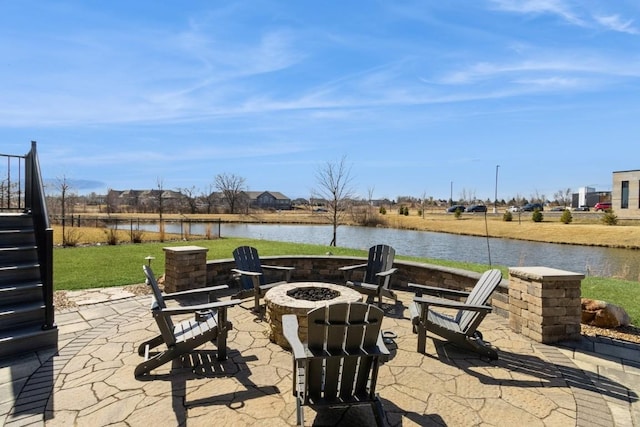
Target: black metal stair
[{"x": 22, "y": 301}]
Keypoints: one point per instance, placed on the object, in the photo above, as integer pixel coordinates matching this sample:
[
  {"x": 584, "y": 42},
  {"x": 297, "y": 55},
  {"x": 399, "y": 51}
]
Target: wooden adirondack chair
[
  {"x": 209, "y": 324},
  {"x": 377, "y": 273},
  {"x": 250, "y": 273},
  {"x": 460, "y": 329},
  {"x": 338, "y": 366}
]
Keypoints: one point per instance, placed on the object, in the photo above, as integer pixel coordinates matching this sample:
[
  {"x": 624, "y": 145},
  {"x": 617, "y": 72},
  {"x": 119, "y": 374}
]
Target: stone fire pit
[{"x": 286, "y": 299}]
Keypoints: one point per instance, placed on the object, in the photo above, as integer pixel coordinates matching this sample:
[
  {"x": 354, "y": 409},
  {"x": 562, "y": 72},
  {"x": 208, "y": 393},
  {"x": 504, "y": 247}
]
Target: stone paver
[{"x": 90, "y": 380}]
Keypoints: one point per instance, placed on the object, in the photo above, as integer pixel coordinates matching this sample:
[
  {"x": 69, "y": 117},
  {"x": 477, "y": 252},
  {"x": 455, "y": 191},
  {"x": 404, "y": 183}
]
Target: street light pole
[
  {"x": 451, "y": 194},
  {"x": 495, "y": 199}
]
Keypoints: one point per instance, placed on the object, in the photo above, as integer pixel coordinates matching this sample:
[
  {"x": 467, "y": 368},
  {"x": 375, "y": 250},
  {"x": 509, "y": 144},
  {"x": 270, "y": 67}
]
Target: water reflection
[{"x": 589, "y": 260}]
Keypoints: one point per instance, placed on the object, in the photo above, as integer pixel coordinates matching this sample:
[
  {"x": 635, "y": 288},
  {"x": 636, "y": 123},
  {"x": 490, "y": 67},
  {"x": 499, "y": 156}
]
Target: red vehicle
[{"x": 602, "y": 206}]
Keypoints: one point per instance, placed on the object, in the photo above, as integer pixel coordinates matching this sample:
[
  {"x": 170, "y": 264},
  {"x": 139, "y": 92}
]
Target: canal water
[{"x": 588, "y": 260}]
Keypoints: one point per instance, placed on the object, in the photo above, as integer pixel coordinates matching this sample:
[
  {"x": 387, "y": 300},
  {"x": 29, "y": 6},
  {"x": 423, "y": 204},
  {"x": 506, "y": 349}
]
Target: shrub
[
  {"x": 406, "y": 211},
  {"x": 71, "y": 237},
  {"x": 419, "y": 212},
  {"x": 566, "y": 217},
  {"x": 458, "y": 213},
  {"x": 382, "y": 210},
  {"x": 112, "y": 236},
  {"x": 136, "y": 236},
  {"x": 609, "y": 218},
  {"x": 507, "y": 216},
  {"x": 537, "y": 216}
]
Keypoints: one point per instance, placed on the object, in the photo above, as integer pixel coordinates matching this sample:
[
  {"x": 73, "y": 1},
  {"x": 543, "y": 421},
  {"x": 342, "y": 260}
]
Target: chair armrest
[
  {"x": 290, "y": 332},
  {"x": 389, "y": 272},
  {"x": 444, "y": 303},
  {"x": 281, "y": 269},
  {"x": 433, "y": 290},
  {"x": 278, "y": 267},
  {"x": 352, "y": 267},
  {"x": 382, "y": 347},
  {"x": 190, "y": 292},
  {"x": 246, "y": 273},
  {"x": 193, "y": 308}
]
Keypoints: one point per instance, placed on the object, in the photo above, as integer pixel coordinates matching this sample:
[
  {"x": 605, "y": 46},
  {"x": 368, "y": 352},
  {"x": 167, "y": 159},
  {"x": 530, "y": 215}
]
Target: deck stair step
[
  {"x": 25, "y": 272},
  {"x": 27, "y": 338},
  {"x": 21, "y": 315},
  {"x": 18, "y": 253},
  {"x": 20, "y": 292}
]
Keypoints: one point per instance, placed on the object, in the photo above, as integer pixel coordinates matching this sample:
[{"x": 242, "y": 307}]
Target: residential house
[{"x": 268, "y": 200}]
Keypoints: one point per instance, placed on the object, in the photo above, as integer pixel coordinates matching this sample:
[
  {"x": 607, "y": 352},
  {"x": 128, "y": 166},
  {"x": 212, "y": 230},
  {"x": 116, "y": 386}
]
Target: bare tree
[
  {"x": 64, "y": 187},
  {"x": 334, "y": 182},
  {"x": 231, "y": 186},
  {"x": 563, "y": 197},
  {"x": 467, "y": 196},
  {"x": 159, "y": 196},
  {"x": 190, "y": 198},
  {"x": 208, "y": 197},
  {"x": 536, "y": 197}
]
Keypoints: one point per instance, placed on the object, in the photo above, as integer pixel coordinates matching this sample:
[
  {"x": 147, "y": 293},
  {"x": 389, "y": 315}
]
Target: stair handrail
[{"x": 35, "y": 202}]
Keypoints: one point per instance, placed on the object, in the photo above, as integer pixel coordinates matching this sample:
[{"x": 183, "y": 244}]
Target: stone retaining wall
[{"x": 325, "y": 268}]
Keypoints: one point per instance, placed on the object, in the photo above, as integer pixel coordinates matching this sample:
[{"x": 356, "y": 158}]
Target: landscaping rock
[{"x": 603, "y": 314}]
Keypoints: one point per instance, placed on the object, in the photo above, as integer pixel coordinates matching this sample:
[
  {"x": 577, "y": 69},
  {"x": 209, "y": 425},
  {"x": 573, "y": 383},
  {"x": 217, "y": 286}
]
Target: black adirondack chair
[
  {"x": 250, "y": 273},
  {"x": 377, "y": 273},
  {"x": 461, "y": 328},
  {"x": 209, "y": 323},
  {"x": 338, "y": 365}
]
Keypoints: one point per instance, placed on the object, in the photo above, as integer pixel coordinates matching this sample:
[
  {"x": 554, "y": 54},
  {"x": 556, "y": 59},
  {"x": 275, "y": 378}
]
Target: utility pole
[
  {"x": 451, "y": 194},
  {"x": 495, "y": 199}
]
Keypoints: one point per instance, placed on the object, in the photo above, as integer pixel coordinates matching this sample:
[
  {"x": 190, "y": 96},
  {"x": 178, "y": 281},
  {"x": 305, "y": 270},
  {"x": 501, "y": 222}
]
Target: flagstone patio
[{"x": 90, "y": 380}]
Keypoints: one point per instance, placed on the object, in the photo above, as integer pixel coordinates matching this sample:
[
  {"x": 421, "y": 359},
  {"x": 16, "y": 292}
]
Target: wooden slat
[
  {"x": 337, "y": 315},
  {"x": 353, "y": 343},
  {"x": 443, "y": 321},
  {"x": 315, "y": 342},
  {"x": 479, "y": 296},
  {"x": 374, "y": 319}
]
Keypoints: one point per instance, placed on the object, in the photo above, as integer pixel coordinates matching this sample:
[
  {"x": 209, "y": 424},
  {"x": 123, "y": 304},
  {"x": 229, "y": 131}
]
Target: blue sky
[{"x": 415, "y": 94}]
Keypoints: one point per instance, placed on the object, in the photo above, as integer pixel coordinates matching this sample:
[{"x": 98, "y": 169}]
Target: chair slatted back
[
  {"x": 340, "y": 334},
  {"x": 165, "y": 324},
  {"x": 380, "y": 259},
  {"x": 480, "y": 295},
  {"x": 247, "y": 259}
]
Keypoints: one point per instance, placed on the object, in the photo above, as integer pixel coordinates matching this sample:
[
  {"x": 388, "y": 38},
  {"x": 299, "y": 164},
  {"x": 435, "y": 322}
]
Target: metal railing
[
  {"x": 23, "y": 190},
  {"x": 12, "y": 182}
]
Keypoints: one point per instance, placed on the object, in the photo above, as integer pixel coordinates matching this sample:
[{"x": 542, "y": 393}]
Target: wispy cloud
[
  {"x": 558, "y": 8},
  {"x": 616, "y": 23},
  {"x": 534, "y": 69},
  {"x": 575, "y": 13}
]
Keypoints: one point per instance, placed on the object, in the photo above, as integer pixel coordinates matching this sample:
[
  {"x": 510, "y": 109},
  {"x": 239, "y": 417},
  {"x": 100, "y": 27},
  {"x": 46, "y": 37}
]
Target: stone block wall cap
[
  {"x": 185, "y": 249},
  {"x": 544, "y": 273}
]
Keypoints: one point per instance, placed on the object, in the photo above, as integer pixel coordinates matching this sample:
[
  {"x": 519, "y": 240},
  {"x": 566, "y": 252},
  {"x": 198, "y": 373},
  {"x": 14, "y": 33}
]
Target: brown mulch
[
  {"x": 625, "y": 333},
  {"x": 61, "y": 301}
]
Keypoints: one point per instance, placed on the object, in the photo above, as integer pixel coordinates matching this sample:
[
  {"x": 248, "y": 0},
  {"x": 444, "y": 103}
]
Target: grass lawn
[{"x": 104, "y": 266}]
